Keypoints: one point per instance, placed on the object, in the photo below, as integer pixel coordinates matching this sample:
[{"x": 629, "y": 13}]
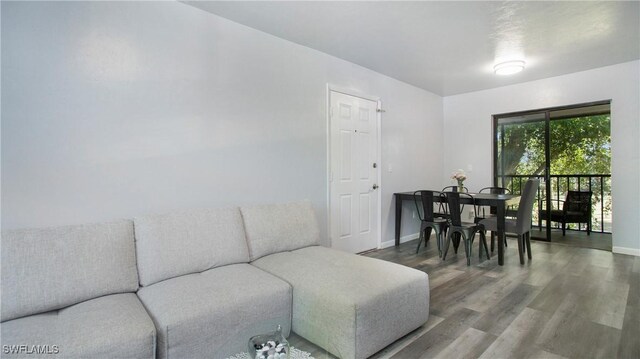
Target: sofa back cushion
[
  {"x": 280, "y": 227},
  {"x": 176, "y": 244},
  {"x": 52, "y": 268}
]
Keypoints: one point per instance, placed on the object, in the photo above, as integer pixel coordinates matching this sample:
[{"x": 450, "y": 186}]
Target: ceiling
[{"x": 450, "y": 47}]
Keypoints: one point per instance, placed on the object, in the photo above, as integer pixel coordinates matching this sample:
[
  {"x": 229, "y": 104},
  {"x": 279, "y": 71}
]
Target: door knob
[{"x": 375, "y": 186}]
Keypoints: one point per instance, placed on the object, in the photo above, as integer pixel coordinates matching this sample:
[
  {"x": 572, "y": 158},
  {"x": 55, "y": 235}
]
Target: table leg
[
  {"x": 398, "y": 218},
  {"x": 501, "y": 235}
]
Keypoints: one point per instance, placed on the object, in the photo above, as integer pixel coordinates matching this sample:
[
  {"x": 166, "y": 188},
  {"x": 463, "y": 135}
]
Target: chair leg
[
  {"x": 528, "y": 241},
  {"x": 564, "y": 228},
  {"x": 480, "y": 244},
  {"x": 467, "y": 248},
  {"x": 483, "y": 240},
  {"x": 456, "y": 242},
  {"x": 427, "y": 235},
  {"x": 444, "y": 236},
  {"x": 446, "y": 246},
  {"x": 421, "y": 237},
  {"x": 469, "y": 241},
  {"x": 520, "y": 251},
  {"x": 493, "y": 239},
  {"x": 438, "y": 234},
  {"x": 425, "y": 232},
  {"x": 589, "y": 228}
]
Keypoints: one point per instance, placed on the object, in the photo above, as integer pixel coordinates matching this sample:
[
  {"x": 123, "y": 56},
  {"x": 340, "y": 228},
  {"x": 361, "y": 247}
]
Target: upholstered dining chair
[
  {"x": 521, "y": 225},
  {"x": 428, "y": 219},
  {"x": 492, "y": 210},
  {"x": 466, "y": 231}
]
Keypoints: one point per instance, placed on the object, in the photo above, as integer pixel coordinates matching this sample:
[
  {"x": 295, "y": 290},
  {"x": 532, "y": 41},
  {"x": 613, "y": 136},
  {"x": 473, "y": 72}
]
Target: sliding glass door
[{"x": 567, "y": 148}]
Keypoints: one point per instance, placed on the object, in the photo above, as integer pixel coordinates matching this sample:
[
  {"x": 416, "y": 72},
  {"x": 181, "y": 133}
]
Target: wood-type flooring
[{"x": 566, "y": 302}]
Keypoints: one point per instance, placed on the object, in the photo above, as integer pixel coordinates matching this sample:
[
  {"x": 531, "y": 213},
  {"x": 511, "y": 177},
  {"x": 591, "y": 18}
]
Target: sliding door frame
[{"x": 547, "y": 133}]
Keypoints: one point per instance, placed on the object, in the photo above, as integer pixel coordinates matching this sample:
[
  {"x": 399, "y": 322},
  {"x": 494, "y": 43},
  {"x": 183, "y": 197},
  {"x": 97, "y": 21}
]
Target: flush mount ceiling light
[{"x": 509, "y": 67}]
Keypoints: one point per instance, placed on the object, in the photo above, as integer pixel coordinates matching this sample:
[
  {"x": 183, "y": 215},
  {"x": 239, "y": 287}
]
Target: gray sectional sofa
[
  {"x": 198, "y": 284},
  {"x": 70, "y": 292}
]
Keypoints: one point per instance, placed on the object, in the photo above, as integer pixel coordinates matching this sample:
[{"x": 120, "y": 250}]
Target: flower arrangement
[{"x": 459, "y": 176}]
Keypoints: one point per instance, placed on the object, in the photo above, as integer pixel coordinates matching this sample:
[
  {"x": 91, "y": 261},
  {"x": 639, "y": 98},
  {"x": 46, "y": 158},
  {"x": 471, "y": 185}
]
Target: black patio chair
[{"x": 576, "y": 208}]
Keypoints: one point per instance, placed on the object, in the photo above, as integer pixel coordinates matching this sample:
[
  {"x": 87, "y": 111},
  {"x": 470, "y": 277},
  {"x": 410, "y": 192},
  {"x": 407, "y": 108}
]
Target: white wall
[
  {"x": 468, "y": 125},
  {"x": 118, "y": 109}
]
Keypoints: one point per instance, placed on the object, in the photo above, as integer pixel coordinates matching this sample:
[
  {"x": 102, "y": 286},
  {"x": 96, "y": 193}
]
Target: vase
[
  {"x": 269, "y": 346},
  {"x": 460, "y": 186}
]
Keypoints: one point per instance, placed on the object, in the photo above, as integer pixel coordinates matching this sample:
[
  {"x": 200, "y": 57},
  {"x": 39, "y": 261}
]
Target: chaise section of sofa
[
  {"x": 350, "y": 305},
  {"x": 204, "y": 297},
  {"x": 70, "y": 290}
]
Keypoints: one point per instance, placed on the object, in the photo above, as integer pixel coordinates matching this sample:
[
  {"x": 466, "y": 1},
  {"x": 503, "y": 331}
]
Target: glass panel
[
  {"x": 521, "y": 150},
  {"x": 580, "y": 145},
  {"x": 580, "y": 153}
]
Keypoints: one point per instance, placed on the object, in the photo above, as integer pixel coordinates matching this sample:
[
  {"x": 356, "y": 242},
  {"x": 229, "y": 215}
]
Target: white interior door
[{"x": 353, "y": 174}]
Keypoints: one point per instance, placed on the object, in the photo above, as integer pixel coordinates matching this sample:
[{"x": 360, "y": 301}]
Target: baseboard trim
[
  {"x": 625, "y": 250},
  {"x": 407, "y": 238}
]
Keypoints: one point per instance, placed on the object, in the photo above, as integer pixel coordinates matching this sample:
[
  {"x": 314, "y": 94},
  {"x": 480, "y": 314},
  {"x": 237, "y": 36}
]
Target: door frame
[
  {"x": 378, "y": 173},
  {"x": 547, "y": 120}
]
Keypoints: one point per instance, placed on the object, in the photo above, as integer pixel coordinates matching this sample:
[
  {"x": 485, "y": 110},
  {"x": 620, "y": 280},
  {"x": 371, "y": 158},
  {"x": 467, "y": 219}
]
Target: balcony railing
[{"x": 599, "y": 185}]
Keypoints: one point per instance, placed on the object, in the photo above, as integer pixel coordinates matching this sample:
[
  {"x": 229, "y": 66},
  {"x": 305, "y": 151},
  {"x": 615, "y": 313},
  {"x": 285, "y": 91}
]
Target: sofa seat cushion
[
  {"x": 350, "y": 305},
  {"x": 214, "y": 313},
  {"x": 46, "y": 269},
  {"x": 114, "y": 326}
]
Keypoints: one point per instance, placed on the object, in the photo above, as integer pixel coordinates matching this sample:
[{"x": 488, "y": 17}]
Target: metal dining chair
[
  {"x": 428, "y": 219},
  {"x": 576, "y": 208},
  {"x": 454, "y": 189},
  {"x": 521, "y": 225},
  {"x": 441, "y": 209},
  {"x": 467, "y": 231},
  {"x": 492, "y": 210}
]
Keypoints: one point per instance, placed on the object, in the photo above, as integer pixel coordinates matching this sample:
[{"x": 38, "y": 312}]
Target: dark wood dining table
[{"x": 499, "y": 201}]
